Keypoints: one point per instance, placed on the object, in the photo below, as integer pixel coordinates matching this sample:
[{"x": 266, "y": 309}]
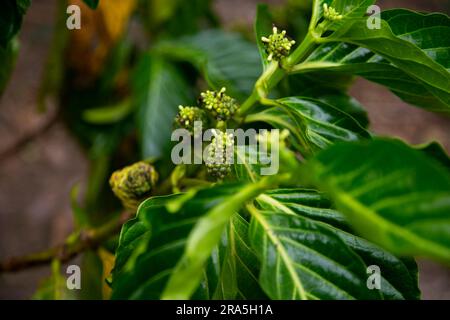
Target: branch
[{"x": 86, "y": 239}]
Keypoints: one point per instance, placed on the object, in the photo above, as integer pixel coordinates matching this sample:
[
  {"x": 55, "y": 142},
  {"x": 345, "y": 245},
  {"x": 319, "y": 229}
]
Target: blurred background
[{"x": 42, "y": 157}]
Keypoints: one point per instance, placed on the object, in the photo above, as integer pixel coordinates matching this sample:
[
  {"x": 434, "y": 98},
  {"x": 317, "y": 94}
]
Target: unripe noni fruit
[
  {"x": 220, "y": 155},
  {"x": 133, "y": 183},
  {"x": 187, "y": 116},
  {"x": 221, "y": 106}
]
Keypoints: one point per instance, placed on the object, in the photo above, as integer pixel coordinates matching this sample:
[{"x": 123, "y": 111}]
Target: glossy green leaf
[
  {"x": 134, "y": 234},
  {"x": 392, "y": 194},
  {"x": 349, "y": 9},
  {"x": 410, "y": 41},
  {"x": 151, "y": 246},
  {"x": 247, "y": 164},
  {"x": 398, "y": 276},
  {"x": 329, "y": 88},
  {"x": 224, "y": 59},
  {"x": 351, "y": 59},
  {"x": 203, "y": 239},
  {"x": 347, "y": 104},
  {"x": 159, "y": 89},
  {"x": 305, "y": 202},
  {"x": 322, "y": 123},
  {"x": 421, "y": 31},
  {"x": 425, "y": 30},
  {"x": 237, "y": 265},
  {"x": 315, "y": 124},
  {"x": 301, "y": 259}
]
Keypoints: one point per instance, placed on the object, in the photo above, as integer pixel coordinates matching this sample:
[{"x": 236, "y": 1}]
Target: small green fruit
[{"x": 221, "y": 106}]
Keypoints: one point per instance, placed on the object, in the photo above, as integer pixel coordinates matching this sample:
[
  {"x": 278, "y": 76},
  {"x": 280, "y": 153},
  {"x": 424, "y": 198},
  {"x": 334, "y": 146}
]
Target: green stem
[
  {"x": 251, "y": 100},
  {"x": 270, "y": 77},
  {"x": 302, "y": 50},
  {"x": 274, "y": 74}
]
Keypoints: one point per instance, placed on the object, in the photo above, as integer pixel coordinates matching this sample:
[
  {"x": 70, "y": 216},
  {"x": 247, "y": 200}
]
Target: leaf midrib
[{"x": 279, "y": 246}]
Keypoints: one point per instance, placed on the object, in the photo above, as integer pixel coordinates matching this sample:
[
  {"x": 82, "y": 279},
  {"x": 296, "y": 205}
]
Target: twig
[{"x": 87, "y": 239}]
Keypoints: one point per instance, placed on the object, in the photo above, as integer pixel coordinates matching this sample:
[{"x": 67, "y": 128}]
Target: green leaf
[
  {"x": 349, "y": 9},
  {"x": 411, "y": 42},
  {"x": 425, "y": 30},
  {"x": 93, "y": 4},
  {"x": 329, "y": 88},
  {"x": 398, "y": 276},
  {"x": 392, "y": 194},
  {"x": 263, "y": 23},
  {"x": 351, "y": 59},
  {"x": 159, "y": 89},
  {"x": 203, "y": 239},
  {"x": 224, "y": 59},
  {"x": 246, "y": 170},
  {"x": 92, "y": 280},
  {"x": 11, "y": 17},
  {"x": 323, "y": 124},
  {"x": 347, "y": 104},
  {"x": 108, "y": 114},
  {"x": 151, "y": 245},
  {"x": 301, "y": 259},
  {"x": 305, "y": 202},
  {"x": 149, "y": 248},
  {"x": 314, "y": 124},
  {"x": 134, "y": 232},
  {"x": 238, "y": 266},
  {"x": 435, "y": 150}
]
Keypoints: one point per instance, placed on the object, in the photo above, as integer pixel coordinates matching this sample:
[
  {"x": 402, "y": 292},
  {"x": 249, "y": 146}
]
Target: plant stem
[
  {"x": 85, "y": 239},
  {"x": 274, "y": 74},
  {"x": 301, "y": 52}
]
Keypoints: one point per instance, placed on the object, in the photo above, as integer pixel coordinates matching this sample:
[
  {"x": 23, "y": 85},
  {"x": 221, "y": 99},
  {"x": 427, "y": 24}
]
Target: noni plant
[
  {"x": 245, "y": 170},
  {"x": 342, "y": 200}
]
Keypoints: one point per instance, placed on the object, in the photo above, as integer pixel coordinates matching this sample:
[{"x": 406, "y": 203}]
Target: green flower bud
[
  {"x": 188, "y": 115},
  {"x": 330, "y": 13},
  {"x": 277, "y": 45},
  {"x": 220, "y": 155},
  {"x": 221, "y": 106},
  {"x": 133, "y": 184}
]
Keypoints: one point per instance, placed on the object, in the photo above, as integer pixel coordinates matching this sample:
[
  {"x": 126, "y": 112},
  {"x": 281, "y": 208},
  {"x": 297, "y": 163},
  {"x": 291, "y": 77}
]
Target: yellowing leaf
[{"x": 100, "y": 31}]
